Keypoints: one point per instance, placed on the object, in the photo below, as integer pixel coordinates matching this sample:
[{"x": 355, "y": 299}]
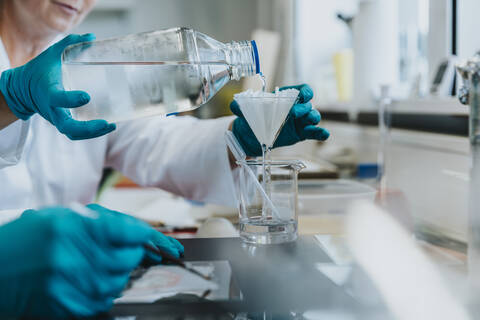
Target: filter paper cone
[{"x": 266, "y": 112}]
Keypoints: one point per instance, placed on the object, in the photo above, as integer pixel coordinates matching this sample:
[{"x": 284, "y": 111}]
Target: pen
[{"x": 168, "y": 257}]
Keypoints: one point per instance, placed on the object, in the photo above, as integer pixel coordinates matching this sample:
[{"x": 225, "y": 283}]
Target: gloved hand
[
  {"x": 166, "y": 244},
  {"x": 36, "y": 87},
  {"x": 157, "y": 239},
  {"x": 59, "y": 264},
  {"x": 300, "y": 125}
]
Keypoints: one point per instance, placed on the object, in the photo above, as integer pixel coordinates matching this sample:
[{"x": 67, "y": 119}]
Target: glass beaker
[{"x": 280, "y": 224}]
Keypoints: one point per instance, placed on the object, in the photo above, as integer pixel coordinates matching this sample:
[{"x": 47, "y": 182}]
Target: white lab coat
[{"x": 41, "y": 167}]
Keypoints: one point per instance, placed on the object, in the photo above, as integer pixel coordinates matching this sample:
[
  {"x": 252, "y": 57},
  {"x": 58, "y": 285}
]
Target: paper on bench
[{"x": 166, "y": 281}]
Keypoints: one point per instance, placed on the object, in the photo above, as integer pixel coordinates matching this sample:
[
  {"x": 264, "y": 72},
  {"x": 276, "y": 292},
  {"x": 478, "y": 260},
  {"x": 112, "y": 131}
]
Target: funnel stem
[
  {"x": 264, "y": 181},
  {"x": 266, "y": 212},
  {"x": 268, "y": 174}
]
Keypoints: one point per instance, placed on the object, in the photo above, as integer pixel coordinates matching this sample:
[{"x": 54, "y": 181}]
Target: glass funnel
[{"x": 266, "y": 114}]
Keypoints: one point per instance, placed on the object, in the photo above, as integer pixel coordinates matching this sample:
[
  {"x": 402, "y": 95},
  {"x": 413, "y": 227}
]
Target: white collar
[{"x": 5, "y": 61}]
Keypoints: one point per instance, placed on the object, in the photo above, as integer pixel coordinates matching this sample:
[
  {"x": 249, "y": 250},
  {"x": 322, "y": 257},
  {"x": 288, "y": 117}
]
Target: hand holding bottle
[{"x": 36, "y": 87}]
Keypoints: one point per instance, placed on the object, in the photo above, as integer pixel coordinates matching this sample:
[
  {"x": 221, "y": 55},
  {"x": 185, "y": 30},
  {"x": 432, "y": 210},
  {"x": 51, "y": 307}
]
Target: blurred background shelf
[{"x": 434, "y": 115}]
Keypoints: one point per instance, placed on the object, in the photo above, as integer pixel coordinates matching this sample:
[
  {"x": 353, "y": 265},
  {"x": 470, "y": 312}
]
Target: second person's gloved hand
[
  {"x": 157, "y": 239},
  {"x": 36, "y": 87},
  {"x": 59, "y": 264},
  {"x": 300, "y": 125}
]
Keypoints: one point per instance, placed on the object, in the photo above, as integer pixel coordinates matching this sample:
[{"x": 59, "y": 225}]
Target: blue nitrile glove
[
  {"x": 157, "y": 239},
  {"x": 36, "y": 87},
  {"x": 57, "y": 264},
  {"x": 300, "y": 125},
  {"x": 166, "y": 244}
]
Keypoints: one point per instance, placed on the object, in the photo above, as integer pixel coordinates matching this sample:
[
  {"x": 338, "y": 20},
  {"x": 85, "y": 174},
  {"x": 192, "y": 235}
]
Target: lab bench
[
  {"x": 284, "y": 281},
  {"x": 275, "y": 280}
]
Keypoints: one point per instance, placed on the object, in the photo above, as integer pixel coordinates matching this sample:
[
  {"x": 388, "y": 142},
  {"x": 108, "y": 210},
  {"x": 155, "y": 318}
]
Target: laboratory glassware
[
  {"x": 469, "y": 94},
  {"x": 161, "y": 72},
  {"x": 240, "y": 157},
  {"x": 384, "y": 124},
  {"x": 266, "y": 114},
  {"x": 260, "y": 226}
]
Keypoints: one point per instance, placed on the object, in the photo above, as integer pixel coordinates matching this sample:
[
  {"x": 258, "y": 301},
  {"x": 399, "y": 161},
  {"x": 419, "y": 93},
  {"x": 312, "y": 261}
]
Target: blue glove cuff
[{"x": 7, "y": 88}]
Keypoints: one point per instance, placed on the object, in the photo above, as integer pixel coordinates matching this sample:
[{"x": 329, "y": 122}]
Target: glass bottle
[{"x": 153, "y": 73}]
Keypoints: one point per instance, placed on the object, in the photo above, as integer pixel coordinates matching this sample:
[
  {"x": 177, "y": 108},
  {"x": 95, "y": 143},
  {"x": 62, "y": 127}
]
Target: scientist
[
  {"x": 57, "y": 262},
  {"x": 43, "y": 167}
]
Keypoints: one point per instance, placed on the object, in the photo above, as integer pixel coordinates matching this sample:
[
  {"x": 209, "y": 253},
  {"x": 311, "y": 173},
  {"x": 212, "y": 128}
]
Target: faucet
[
  {"x": 469, "y": 94},
  {"x": 469, "y": 71}
]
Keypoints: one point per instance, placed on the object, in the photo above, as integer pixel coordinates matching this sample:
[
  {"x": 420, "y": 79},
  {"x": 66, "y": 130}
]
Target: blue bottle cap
[
  {"x": 367, "y": 170},
  {"x": 255, "y": 55}
]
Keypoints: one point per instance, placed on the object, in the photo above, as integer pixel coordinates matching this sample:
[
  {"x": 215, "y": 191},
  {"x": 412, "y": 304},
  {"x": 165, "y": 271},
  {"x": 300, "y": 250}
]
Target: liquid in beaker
[{"x": 278, "y": 225}]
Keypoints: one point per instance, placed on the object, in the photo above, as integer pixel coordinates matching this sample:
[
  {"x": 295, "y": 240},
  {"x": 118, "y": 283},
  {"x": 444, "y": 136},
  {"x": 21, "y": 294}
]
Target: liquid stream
[{"x": 266, "y": 211}]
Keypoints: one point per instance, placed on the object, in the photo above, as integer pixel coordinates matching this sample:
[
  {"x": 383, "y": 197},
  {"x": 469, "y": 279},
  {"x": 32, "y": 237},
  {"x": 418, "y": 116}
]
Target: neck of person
[{"x": 23, "y": 40}]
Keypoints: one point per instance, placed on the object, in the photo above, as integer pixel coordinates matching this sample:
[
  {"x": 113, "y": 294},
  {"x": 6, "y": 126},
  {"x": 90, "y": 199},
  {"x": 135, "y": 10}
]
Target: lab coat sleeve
[
  {"x": 7, "y": 216},
  {"x": 182, "y": 155},
  {"x": 12, "y": 142}
]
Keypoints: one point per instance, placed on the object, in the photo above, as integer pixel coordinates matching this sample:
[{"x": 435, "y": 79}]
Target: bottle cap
[
  {"x": 367, "y": 170},
  {"x": 255, "y": 55}
]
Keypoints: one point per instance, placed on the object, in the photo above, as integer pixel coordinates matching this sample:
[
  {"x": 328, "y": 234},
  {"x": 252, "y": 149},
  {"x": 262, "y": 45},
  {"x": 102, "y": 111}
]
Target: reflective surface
[{"x": 274, "y": 280}]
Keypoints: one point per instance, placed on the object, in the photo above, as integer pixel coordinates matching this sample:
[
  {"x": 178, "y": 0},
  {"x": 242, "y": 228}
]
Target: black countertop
[
  {"x": 424, "y": 122},
  {"x": 276, "y": 279}
]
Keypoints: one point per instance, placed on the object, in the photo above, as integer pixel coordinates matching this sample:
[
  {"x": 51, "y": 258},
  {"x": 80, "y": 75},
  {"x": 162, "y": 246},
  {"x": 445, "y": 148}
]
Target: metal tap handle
[
  {"x": 468, "y": 71},
  {"x": 464, "y": 95}
]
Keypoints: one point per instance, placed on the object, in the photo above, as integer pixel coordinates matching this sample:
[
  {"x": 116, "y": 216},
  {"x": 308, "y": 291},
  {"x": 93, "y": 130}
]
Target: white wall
[
  {"x": 440, "y": 34},
  {"x": 468, "y": 28},
  {"x": 106, "y": 24},
  {"x": 225, "y": 20},
  {"x": 319, "y": 34}
]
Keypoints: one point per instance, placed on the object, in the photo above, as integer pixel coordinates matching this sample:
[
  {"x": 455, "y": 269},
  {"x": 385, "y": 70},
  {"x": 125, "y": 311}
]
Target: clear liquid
[
  {"x": 265, "y": 156},
  {"x": 122, "y": 91},
  {"x": 260, "y": 230},
  {"x": 264, "y": 81}
]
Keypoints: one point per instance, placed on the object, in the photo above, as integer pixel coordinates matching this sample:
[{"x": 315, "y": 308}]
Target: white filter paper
[
  {"x": 166, "y": 281},
  {"x": 266, "y": 112}
]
